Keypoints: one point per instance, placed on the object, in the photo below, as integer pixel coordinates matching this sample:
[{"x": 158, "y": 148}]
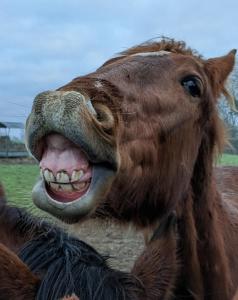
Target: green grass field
[
  {"x": 228, "y": 160},
  {"x": 19, "y": 179}
]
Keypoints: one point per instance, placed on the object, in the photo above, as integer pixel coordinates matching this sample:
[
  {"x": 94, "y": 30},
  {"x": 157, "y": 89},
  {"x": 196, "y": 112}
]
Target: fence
[{"x": 10, "y": 145}]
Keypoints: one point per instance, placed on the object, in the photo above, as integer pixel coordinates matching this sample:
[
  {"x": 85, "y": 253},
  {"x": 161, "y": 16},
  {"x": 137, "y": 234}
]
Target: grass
[
  {"x": 228, "y": 160},
  {"x": 19, "y": 179}
]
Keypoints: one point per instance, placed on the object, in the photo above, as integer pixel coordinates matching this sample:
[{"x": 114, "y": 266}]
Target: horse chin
[{"x": 78, "y": 208}]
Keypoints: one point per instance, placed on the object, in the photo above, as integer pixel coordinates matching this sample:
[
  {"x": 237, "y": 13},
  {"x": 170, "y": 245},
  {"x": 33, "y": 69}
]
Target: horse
[
  {"x": 135, "y": 142},
  {"x": 52, "y": 264}
]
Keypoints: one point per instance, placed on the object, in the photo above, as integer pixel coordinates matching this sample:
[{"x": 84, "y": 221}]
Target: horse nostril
[{"x": 104, "y": 116}]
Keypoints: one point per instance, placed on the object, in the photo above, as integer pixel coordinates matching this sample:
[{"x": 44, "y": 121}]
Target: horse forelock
[{"x": 164, "y": 46}]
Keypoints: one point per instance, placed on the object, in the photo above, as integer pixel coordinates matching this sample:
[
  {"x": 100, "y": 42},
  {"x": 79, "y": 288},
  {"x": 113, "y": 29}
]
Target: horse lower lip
[{"x": 68, "y": 187}]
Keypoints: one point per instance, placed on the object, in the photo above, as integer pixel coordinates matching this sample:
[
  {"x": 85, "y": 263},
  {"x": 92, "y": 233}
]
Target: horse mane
[{"x": 69, "y": 266}]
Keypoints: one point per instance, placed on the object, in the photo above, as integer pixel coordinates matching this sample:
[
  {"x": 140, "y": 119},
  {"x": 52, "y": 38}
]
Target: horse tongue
[{"x": 61, "y": 154}]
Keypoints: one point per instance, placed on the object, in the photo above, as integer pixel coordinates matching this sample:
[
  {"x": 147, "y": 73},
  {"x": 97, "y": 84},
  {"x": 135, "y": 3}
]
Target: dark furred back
[{"x": 68, "y": 265}]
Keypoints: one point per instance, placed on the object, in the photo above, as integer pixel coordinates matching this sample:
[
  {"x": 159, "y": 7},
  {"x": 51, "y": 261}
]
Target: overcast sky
[{"x": 46, "y": 43}]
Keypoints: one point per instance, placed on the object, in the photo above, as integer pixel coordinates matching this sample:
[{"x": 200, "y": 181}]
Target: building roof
[{"x": 11, "y": 125}]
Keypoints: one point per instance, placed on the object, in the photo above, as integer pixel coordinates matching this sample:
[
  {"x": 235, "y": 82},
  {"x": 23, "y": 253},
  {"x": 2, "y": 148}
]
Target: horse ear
[{"x": 218, "y": 70}]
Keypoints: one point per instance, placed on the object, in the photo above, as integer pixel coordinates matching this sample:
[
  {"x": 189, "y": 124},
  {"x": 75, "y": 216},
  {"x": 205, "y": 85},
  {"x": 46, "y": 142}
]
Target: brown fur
[
  {"x": 167, "y": 141},
  {"x": 236, "y": 296},
  {"x": 167, "y": 145},
  {"x": 12, "y": 235},
  {"x": 17, "y": 281}
]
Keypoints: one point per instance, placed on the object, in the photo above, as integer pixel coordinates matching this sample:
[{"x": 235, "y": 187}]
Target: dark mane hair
[{"x": 69, "y": 266}]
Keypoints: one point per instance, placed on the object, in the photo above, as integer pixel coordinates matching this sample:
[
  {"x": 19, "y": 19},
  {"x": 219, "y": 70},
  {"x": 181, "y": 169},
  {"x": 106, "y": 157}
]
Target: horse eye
[{"x": 192, "y": 85}]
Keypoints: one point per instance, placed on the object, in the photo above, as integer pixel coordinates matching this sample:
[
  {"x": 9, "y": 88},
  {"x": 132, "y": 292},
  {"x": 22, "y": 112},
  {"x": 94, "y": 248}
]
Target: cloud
[{"x": 44, "y": 44}]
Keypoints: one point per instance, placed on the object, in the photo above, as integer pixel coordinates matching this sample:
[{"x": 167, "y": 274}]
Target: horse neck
[{"x": 201, "y": 229}]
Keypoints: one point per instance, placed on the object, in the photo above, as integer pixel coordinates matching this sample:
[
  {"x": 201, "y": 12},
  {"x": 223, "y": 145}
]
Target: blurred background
[{"x": 44, "y": 44}]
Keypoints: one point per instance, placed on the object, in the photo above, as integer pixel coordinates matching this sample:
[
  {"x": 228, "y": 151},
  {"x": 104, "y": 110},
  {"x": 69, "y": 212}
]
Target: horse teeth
[
  {"x": 77, "y": 175},
  {"x": 55, "y": 186},
  {"x": 66, "y": 187},
  {"x": 48, "y": 175},
  {"x": 62, "y": 177},
  {"x": 79, "y": 186}
]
